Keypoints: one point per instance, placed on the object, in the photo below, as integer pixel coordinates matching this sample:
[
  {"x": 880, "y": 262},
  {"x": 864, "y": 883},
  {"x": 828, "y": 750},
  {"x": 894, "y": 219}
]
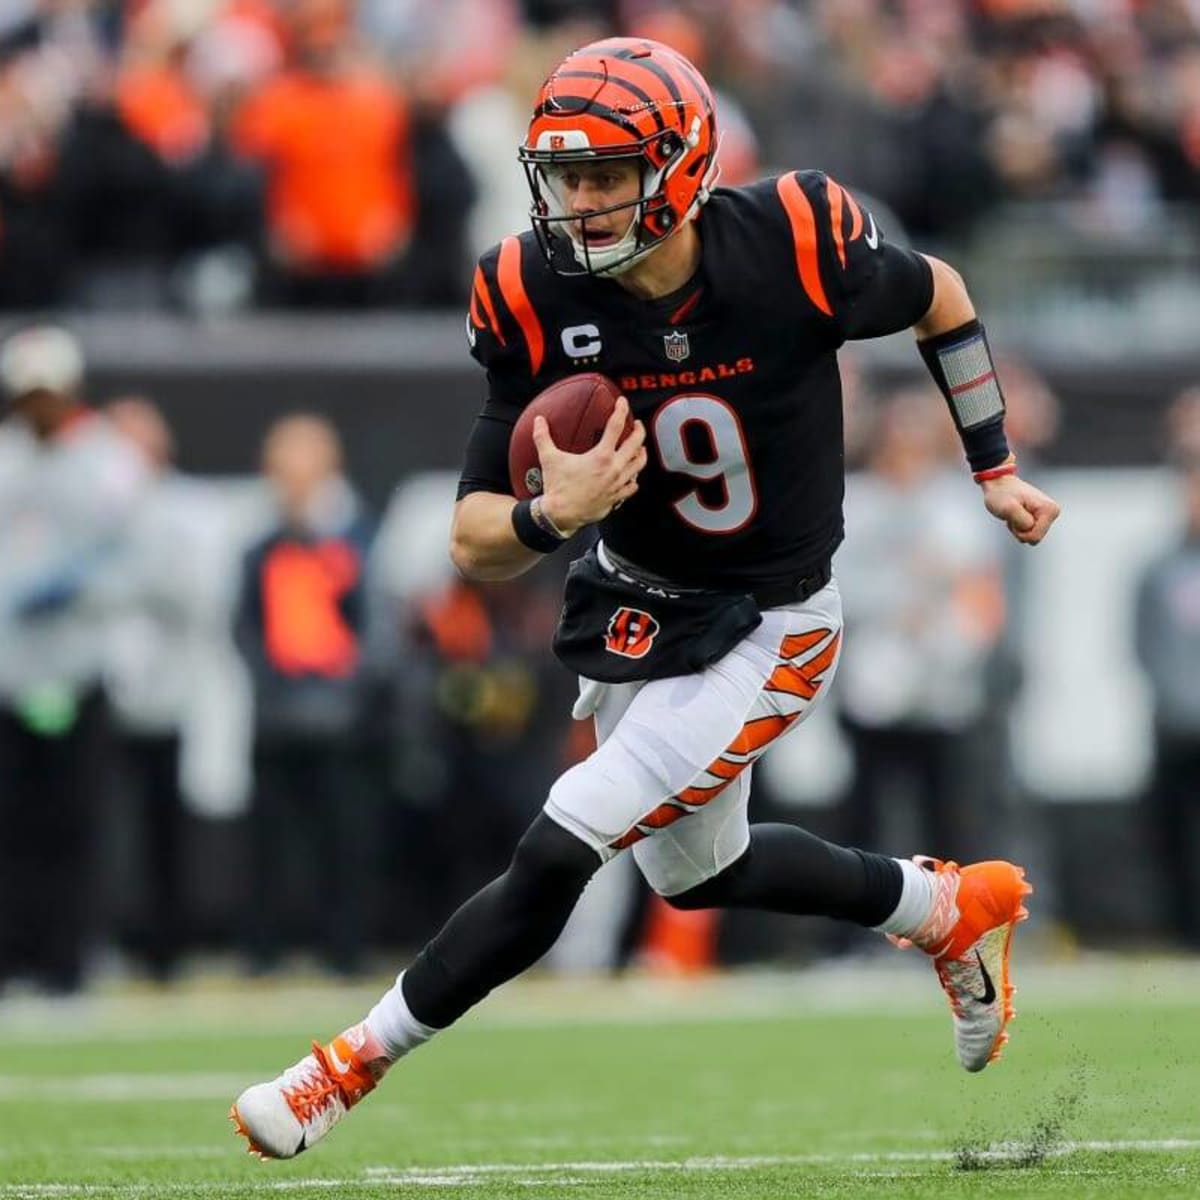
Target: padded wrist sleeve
[{"x": 960, "y": 362}]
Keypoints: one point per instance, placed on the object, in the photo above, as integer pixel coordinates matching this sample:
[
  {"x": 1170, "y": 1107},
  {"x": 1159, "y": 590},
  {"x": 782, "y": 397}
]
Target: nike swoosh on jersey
[
  {"x": 989, "y": 988},
  {"x": 871, "y": 237}
]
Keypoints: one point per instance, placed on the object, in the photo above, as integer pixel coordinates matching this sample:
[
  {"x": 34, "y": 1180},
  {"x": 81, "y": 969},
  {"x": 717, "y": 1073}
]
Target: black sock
[
  {"x": 504, "y": 928},
  {"x": 788, "y": 870}
]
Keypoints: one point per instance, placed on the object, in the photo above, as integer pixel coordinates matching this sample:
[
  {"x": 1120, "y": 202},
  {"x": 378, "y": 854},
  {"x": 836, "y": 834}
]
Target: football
[{"x": 576, "y": 409}]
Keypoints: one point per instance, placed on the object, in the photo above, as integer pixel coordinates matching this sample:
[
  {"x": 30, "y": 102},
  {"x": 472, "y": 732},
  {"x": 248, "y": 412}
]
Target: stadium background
[{"x": 1050, "y": 150}]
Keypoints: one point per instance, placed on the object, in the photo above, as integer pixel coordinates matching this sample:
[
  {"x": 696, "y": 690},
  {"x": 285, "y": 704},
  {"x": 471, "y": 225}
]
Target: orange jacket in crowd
[
  {"x": 340, "y": 193},
  {"x": 160, "y": 108}
]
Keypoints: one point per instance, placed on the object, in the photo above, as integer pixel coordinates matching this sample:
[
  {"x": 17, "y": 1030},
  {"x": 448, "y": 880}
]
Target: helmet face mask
[
  {"x": 620, "y": 100},
  {"x": 585, "y": 231}
]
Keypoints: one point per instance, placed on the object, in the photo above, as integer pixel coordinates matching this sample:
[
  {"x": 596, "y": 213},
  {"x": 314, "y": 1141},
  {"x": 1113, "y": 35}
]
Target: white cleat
[
  {"x": 969, "y": 937},
  {"x": 292, "y": 1112}
]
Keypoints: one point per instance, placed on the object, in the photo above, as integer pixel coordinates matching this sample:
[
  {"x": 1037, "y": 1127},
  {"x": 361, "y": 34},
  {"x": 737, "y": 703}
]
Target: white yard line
[
  {"x": 885, "y": 989},
  {"x": 585, "y": 1172}
]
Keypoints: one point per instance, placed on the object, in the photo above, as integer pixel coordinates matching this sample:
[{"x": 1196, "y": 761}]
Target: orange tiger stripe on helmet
[
  {"x": 651, "y": 68},
  {"x": 605, "y": 128},
  {"x": 512, "y": 288},
  {"x": 671, "y": 83},
  {"x": 803, "y": 221},
  {"x": 481, "y": 294},
  {"x": 610, "y": 105}
]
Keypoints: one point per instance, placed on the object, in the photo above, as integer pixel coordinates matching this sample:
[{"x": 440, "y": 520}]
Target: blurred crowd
[
  {"x": 216, "y": 154},
  {"x": 175, "y": 650},
  {"x": 369, "y": 734}
]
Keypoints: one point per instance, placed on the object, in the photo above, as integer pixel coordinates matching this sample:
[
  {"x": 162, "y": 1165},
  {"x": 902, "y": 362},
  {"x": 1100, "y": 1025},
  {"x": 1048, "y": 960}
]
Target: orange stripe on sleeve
[
  {"x": 482, "y": 294},
  {"x": 512, "y": 288},
  {"x": 804, "y": 236},
  {"x": 856, "y": 217},
  {"x": 836, "y": 198}
]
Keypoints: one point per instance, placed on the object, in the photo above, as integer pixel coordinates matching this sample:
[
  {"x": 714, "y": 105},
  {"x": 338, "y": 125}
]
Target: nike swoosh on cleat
[
  {"x": 342, "y": 1066},
  {"x": 989, "y": 988}
]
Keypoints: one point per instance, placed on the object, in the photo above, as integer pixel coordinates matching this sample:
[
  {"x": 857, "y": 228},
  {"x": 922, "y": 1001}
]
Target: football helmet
[{"x": 620, "y": 98}]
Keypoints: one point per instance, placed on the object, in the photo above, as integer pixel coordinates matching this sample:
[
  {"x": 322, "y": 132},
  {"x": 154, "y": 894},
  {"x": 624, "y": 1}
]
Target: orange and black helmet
[{"x": 622, "y": 98}]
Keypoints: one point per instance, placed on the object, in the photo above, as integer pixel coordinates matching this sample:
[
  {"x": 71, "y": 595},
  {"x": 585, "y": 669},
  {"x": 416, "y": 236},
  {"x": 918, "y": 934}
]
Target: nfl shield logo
[{"x": 676, "y": 346}]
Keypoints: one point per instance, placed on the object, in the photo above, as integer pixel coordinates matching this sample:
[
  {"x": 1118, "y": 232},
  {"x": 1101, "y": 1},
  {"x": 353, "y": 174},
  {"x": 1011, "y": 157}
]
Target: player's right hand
[{"x": 579, "y": 489}]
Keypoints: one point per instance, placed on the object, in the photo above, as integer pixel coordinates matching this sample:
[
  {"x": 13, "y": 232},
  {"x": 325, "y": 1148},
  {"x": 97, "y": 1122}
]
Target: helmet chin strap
[
  {"x": 594, "y": 261},
  {"x": 621, "y": 255},
  {"x": 611, "y": 260}
]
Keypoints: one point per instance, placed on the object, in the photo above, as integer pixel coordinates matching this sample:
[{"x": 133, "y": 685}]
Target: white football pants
[{"x": 671, "y": 774}]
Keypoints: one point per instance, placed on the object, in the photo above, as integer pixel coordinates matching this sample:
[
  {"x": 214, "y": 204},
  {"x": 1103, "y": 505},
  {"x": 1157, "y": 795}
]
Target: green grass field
[{"x": 822, "y": 1083}]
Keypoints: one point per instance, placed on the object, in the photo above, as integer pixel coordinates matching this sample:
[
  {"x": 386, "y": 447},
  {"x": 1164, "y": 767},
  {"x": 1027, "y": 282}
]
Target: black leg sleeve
[
  {"x": 504, "y": 928},
  {"x": 788, "y": 870}
]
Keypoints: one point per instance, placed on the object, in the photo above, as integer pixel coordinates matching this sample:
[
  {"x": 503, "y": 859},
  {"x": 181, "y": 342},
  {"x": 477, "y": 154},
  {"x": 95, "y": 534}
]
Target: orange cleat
[
  {"x": 969, "y": 937},
  {"x": 286, "y": 1116}
]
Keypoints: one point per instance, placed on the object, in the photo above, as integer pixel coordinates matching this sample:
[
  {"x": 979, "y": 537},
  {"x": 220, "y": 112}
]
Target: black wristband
[
  {"x": 529, "y": 532},
  {"x": 960, "y": 362}
]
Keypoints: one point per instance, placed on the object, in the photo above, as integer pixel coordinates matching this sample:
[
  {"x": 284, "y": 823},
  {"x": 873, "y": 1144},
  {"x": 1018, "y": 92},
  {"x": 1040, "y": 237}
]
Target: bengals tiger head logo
[{"x": 631, "y": 633}]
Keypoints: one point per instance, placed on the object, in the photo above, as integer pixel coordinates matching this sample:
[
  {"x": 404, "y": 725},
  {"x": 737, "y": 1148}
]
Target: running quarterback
[{"x": 705, "y": 621}]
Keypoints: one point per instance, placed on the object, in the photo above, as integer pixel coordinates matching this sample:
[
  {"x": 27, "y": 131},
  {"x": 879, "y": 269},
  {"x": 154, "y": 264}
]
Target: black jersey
[{"x": 735, "y": 375}]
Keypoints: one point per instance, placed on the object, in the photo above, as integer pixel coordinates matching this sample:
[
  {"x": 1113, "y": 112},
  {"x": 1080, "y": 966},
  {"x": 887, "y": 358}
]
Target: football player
[{"x": 719, "y": 312}]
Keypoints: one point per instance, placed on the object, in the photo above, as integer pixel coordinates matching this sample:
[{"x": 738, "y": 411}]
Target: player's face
[{"x": 586, "y": 189}]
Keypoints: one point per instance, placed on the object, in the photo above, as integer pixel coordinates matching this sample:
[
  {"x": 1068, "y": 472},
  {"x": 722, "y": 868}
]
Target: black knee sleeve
[
  {"x": 550, "y": 860},
  {"x": 786, "y": 869},
  {"x": 502, "y": 929}
]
